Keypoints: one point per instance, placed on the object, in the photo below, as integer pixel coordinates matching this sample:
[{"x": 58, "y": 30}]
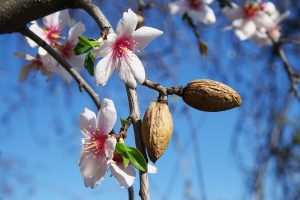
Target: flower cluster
[
  {"x": 51, "y": 33},
  {"x": 255, "y": 20},
  {"x": 198, "y": 10}
]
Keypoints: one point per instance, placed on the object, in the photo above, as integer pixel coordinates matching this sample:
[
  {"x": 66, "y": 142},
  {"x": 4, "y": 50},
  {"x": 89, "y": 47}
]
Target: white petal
[
  {"x": 125, "y": 74},
  {"x": 263, "y": 20},
  {"x": 136, "y": 67},
  {"x": 92, "y": 169},
  {"x": 75, "y": 31},
  {"x": 64, "y": 19},
  {"x": 51, "y": 20},
  {"x": 87, "y": 119},
  {"x": 58, "y": 19},
  {"x": 64, "y": 74},
  {"x": 124, "y": 176},
  {"x": 38, "y": 31},
  {"x": 232, "y": 13},
  {"x": 244, "y": 29},
  {"x": 77, "y": 61},
  {"x": 178, "y": 7},
  {"x": 24, "y": 56},
  {"x": 205, "y": 15},
  {"x": 144, "y": 35},
  {"x": 107, "y": 116},
  {"x": 105, "y": 46},
  {"x": 110, "y": 145},
  {"x": 260, "y": 38},
  {"x": 104, "y": 69},
  {"x": 151, "y": 169},
  {"x": 207, "y": 1},
  {"x": 271, "y": 10},
  {"x": 127, "y": 24}
]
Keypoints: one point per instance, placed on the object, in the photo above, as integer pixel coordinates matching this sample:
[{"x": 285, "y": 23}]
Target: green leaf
[
  {"x": 81, "y": 49},
  {"x": 89, "y": 42},
  {"x": 120, "y": 148},
  {"x": 123, "y": 121},
  {"x": 89, "y": 63},
  {"x": 137, "y": 158},
  {"x": 126, "y": 160}
]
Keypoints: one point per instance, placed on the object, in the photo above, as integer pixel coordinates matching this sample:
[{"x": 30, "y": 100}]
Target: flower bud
[
  {"x": 211, "y": 96},
  {"x": 157, "y": 129}
]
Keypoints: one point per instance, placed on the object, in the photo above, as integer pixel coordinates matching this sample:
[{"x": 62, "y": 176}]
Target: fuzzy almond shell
[
  {"x": 211, "y": 96},
  {"x": 157, "y": 129}
]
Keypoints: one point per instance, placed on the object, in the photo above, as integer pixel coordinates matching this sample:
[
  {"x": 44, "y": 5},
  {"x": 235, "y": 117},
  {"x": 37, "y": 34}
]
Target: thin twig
[
  {"x": 123, "y": 130},
  {"x": 137, "y": 123},
  {"x": 131, "y": 193},
  {"x": 163, "y": 91},
  {"x": 80, "y": 81}
]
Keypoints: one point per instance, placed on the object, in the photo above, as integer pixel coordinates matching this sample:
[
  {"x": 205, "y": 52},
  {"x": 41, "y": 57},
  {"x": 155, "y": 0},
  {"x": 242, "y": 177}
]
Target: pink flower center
[
  {"x": 52, "y": 34},
  {"x": 66, "y": 50},
  {"x": 194, "y": 4},
  {"x": 121, "y": 46},
  {"x": 252, "y": 9},
  {"x": 95, "y": 143}
]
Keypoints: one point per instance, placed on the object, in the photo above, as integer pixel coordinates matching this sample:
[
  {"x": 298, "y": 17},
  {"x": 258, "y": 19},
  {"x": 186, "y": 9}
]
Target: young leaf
[
  {"x": 120, "y": 148},
  {"x": 81, "y": 49},
  {"x": 136, "y": 158},
  {"x": 89, "y": 63},
  {"x": 90, "y": 42},
  {"x": 123, "y": 121},
  {"x": 125, "y": 160}
]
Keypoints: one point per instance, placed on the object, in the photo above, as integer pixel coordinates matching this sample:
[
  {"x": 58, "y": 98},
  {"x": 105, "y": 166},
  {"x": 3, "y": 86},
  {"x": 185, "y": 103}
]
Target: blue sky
[{"x": 40, "y": 132}]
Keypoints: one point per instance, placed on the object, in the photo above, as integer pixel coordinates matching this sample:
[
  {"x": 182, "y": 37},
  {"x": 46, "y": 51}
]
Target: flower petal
[
  {"x": 87, "y": 119},
  {"x": 38, "y": 31},
  {"x": 136, "y": 67},
  {"x": 107, "y": 116},
  {"x": 233, "y": 12},
  {"x": 92, "y": 169},
  {"x": 75, "y": 31},
  {"x": 104, "y": 69},
  {"x": 125, "y": 74},
  {"x": 151, "y": 169},
  {"x": 127, "y": 24},
  {"x": 64, "y": 74},
  {"x": 207, "y": 1},
  {"x": 177, "y": 8},
  {"x": 124, "y": 176},
  {"x": 205, "y": 15},
  {"x": 244, "y": 29},
  {"x": 144, "y": 35},
  {"x": 105, "y": 46},
  {"x": 24, "y": 56},
  {"x": 58, "y": 19},
  {"x": 110, "y": 145}
]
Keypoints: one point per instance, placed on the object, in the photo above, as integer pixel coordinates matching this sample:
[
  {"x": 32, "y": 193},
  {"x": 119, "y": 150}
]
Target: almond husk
[
  {"x": 210, "y": 96},
  {"x": 157, "y": 129}
]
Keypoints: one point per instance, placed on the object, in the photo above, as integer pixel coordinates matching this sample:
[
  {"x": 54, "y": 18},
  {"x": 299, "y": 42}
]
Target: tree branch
[
  {"x": 80, "y": 81},
  {"x": 137, "y": 123}
]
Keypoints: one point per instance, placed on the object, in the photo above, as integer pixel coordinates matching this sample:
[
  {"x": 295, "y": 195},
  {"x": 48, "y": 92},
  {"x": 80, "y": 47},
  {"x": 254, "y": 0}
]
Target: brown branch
[
  {"x": 131, "y": 193},
  {"x": 137, "y": 123},
  {"x": 80, "y": 81},
  {"x": 163, "y": 91}
]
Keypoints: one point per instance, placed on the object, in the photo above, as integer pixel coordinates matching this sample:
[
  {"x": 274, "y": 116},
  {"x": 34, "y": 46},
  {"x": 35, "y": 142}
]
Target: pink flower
[
  {"x": 252, "y": 17},
  {"x": 124, "y": 175},
  {"x": 53, "y": 25},
  {"x": 198, "y": 10},
  {"x": 66, "y": 51},
  {"x": 97, "y": 146},
  {"x": 35, "y": 64},
  {"x": 118, "y": 51}
]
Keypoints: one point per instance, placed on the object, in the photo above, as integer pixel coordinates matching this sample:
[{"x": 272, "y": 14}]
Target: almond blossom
[
  {"x": 252, "y": 17},
  {"x": 198, "y": 10},
  {"x": 265, "y": 36},
  {"x": 35, "y": 64},
  {"x": 118, "y": 51},
  {"x": 53, "y": 26},
  {"x": 66, "y": 52},
  {"x": 125, "y": 175},
  {"x": 97, "y": 146}
]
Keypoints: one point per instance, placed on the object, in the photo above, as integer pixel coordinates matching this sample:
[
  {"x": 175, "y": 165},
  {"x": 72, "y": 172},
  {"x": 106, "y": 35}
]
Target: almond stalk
[
  {"x": 157, "y": 129},
  {"x": 211, "y": 96}
]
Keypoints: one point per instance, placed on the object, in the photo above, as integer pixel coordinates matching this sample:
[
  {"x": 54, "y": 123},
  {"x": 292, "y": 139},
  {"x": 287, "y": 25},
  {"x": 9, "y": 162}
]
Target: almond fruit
[
  {"x": 157, "y": 129},
  {"x": 211, "y": 96}
]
